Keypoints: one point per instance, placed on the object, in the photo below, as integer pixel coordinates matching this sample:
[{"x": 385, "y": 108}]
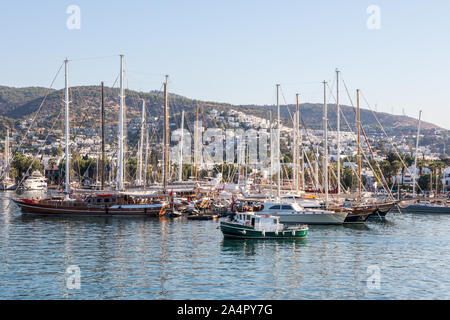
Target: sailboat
[
  {"x": 293, "y": 212},
  {"x": 98, "y": 204}
]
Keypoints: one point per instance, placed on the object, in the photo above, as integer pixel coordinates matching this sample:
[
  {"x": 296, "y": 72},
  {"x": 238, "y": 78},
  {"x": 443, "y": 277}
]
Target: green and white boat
[{"x": 247, "y": 225}]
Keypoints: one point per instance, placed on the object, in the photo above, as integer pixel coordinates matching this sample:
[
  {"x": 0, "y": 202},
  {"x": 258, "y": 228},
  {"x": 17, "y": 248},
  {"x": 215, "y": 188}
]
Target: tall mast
[
  {"x": 180, "y": 173},
  {"x": 196, "y": 146},
  {"x": 417, "y": 152},
  {"x": 166, "y": 134},
  {"x": 7, "y": 160},
  {"x": 271, "y": 154},
  {"x": 295, "y": 149},
  {"x": 121, "y": 136},
  {"x": 298, "y": 146},
  {"x": 146, "y": 157},
  {"x": 278, "y": 145},
  {"x": 141, "y": 143},
  {"x": 66, "y": 101},
  {"x": 338, "y": 135},
  {"x": 325, "y": 142},
  {"x": 103, "y": 140},
  {"x": 358, "y": 124}
]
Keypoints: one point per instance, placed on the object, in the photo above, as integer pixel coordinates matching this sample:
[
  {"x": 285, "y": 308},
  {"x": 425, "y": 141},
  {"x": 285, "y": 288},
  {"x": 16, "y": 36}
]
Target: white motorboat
[
  {"x": 36, "y": 181},
  {"x": 294, "y": 213}
]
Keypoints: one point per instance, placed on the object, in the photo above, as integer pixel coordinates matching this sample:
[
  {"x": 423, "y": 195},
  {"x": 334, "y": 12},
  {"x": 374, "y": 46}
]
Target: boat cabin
[{"x": 259, "y": 222}]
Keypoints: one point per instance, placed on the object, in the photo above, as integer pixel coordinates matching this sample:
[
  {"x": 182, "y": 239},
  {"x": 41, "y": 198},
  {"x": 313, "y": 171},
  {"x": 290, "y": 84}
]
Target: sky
[{"x": 236, "y": 51}]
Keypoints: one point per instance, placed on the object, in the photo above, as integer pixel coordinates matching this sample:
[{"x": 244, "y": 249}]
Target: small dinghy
[{"x": 251, "y": 226}]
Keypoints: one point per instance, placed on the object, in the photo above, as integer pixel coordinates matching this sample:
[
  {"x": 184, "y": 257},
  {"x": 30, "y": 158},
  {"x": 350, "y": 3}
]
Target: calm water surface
[{"x": 150, "y": 258}]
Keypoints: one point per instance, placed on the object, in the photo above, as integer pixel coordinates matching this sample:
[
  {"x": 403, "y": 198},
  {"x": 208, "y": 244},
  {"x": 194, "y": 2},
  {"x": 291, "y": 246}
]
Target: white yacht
[
  {"x": 36, "y": 181},
  {"x": 294, "y": 213}
]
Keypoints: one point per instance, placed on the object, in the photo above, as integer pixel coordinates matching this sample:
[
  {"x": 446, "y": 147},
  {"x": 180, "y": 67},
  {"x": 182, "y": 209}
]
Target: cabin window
[
  {"x": 275, "y": 207},
  {"x": 286, "y": 207},
  {"x": 106, "y": 199},
  {"x": 253, "y": 222}
]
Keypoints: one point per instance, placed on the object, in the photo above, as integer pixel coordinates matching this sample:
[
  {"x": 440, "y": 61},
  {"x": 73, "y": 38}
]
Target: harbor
[
  {"x": 225, "y": 151},
  {"x": 165, "y": 258}
]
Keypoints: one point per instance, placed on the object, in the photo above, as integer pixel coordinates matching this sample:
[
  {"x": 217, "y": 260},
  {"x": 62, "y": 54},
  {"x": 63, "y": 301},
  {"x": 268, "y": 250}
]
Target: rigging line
[
  {"x": 39, "y": 108},
  {"x": 392, "y": 142},
  {"x": 93, "y": 58},
  {"x": 384, "y": 181},
  {"x": 39, "y": 150}
]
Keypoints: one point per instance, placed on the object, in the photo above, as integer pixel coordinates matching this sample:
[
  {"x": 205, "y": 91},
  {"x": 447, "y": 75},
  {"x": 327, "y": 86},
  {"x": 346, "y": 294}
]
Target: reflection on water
[{"x": 160, "y": 258}]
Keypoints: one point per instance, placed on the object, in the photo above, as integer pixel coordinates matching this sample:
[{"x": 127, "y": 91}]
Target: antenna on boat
[{"x": 67, "y": 102}]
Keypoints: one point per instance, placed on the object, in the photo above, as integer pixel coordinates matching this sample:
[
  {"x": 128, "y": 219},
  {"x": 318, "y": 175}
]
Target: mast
[
  {"x": 166, "y": 135},
  {"x": 278, "y": 146},
  {"x": 271, "y": 154},
  {"x": 338, "y": 135},
  {"x": 141, "y": 144},
  {"x": 121, "y": 137},
  {"x": 358, "y": 124},
  {"x": 196, "y": 146},
  {"x": 7, "y": 160},
  {"x": 103, "y": 140},
  {"x": 299, "y": 143},
  {"x": 325, "y": 144},
  {"x": 66, "y": 101},
  {"x": 146, "y": 157},
  {"x": 295, "y": 148},
  {"x": 415, "y": 158},
  {"x": 180, "y": 173}
]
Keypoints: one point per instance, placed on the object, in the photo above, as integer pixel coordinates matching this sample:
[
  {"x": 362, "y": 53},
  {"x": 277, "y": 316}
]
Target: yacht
[
  {"x": 294, "y": 213},
  {"x": 36, "y": 181}
]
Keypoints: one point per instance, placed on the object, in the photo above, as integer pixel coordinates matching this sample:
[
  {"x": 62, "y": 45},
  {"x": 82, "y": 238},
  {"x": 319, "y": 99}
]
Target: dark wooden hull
[{"x": 124, "y": 210}]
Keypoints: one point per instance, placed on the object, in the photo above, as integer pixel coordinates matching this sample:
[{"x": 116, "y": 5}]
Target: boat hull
[
  {"x": 125, "y": 210},
  {"x": 325, "y": 219},
  {"x": 235, "y": 231},
  {"x": 427, "y": 209}
]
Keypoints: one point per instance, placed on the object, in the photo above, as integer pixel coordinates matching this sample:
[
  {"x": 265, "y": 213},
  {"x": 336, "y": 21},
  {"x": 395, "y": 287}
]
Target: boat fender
[
  {"x": 293, "y": 232},
  {"x": 244, "y": 232},
  {"x": 264, "y": 233},
  {"x": 276, "y": 232}
]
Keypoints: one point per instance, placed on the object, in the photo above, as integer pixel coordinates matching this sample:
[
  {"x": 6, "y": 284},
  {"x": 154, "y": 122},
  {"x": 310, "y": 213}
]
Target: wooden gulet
[{"x": 117, "y": 203}]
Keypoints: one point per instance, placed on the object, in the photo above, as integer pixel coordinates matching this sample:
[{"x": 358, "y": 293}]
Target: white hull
[{"x": 322, "y": 218}]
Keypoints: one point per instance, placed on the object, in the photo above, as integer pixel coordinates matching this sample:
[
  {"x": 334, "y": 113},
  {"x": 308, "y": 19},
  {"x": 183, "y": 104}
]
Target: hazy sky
[{"x": 237, "y": 50}]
